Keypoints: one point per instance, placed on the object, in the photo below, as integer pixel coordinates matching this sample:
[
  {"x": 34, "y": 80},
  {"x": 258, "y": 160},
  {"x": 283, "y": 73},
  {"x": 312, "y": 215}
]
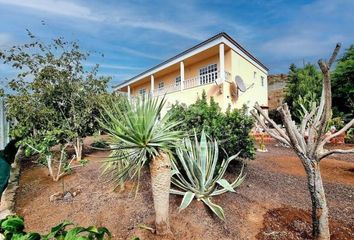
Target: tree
[
  {"x": 52, "y": 90},
  {"x": 141, "y": 137},
  {"x": 310, "y": 147},
  {"x": 303, "y": 88},
  {"x": 343, "y": 86}
]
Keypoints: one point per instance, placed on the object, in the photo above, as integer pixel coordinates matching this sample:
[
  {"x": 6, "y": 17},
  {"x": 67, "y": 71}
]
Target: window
[
  {"x": 254, "y": 75},
  {"x": 142, "y": 91},
  {"x": 208, "y": 74},
  {"x": 161, "y": 85},
  {"x": 262, "y": 81},
  {"x": 178, "y": 81}
]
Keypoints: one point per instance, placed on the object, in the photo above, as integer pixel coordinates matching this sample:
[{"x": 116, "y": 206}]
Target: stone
[{"x": 68, "y": 197}]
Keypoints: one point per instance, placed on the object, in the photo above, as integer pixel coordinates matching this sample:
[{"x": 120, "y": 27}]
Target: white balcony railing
[{"x": 193, "y": 82}]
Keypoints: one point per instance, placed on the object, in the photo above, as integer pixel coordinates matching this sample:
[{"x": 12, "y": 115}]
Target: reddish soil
[
  {"x": 292, "y": 223},
  {"x": 273, "y": 202}
]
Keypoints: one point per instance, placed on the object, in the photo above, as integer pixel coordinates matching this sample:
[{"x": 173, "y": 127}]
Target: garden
[{"x": 97, "y": 165}]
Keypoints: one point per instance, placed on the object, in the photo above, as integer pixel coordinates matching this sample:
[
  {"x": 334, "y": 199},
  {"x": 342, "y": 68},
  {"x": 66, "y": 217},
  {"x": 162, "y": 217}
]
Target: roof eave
[{"x": 183, "y": 55}]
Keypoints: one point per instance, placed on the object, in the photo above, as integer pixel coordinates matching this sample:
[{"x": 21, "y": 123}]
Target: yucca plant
[
  {"x": 142, "y": 137},
  {"x": 196, "y": 174},
  {"x": 12, "y": 228}
]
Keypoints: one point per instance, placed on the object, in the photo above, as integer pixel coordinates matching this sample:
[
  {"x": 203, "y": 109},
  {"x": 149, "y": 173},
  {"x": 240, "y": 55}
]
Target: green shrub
[
  {"x": 100, "y": 143},
  {"x": 12, "y": 228},
  {"x": 349, "y": 138},
  {"x": 231, "y": 128},
  {"x": 196, "y": 173}
]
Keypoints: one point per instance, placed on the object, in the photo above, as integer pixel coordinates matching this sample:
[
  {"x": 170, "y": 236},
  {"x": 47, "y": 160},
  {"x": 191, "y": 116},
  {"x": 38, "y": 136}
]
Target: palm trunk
[
  {"x": 320, "y": 225},
  {"x": 160, "y": 170}
]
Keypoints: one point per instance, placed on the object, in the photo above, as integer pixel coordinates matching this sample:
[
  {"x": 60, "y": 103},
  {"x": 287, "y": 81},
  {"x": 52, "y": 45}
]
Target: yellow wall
[{"x": 256, "y": 93}]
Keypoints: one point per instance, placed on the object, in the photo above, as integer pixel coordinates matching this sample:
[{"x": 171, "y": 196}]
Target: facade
[{"x": 210, "y": 66}]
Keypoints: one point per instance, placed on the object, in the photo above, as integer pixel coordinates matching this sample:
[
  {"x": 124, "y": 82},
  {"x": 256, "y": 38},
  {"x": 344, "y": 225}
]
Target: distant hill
[{"x": 276, "y": 85}]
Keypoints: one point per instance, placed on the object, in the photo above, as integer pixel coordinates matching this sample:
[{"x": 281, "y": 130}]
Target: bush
[
  {"x": 100, "y": 143},
  {"x": 349, "y": 138},
  {"x": 12, "y": 227},
  {"x": 231, "y": 129}
]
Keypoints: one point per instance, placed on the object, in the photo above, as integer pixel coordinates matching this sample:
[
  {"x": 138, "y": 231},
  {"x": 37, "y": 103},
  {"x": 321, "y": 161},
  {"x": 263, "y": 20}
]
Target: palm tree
[{"x": 138, "y": 137}]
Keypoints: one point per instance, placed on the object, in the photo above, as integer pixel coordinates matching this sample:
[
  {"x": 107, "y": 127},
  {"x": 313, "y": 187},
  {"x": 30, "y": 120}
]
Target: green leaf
[
  {"x": 13, "y": 224},
  {"x": 187, "y": 199},
  {"x": 215, "y": 208},
  {"x": 225, "y": 184}
]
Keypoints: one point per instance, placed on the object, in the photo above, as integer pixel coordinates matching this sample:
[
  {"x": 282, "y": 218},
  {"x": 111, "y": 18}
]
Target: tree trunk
[
  {"x": 78, "y": 148},
  {"x": 160, "y": 170},
  {"x": 320, "y": 225}
]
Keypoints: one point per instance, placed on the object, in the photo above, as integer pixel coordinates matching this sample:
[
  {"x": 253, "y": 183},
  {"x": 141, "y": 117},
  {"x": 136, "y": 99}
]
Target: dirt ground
[{"x": 272, "y": 203}]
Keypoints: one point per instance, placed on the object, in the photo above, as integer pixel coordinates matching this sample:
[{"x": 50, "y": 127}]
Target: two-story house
[{"x": 219, "y": 66}]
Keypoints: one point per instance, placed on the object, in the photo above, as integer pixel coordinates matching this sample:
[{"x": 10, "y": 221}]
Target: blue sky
[{"x": 136, "y": 34}]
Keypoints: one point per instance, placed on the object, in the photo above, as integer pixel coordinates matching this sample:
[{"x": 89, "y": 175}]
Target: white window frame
[
  {"x": 178, "y": 81},
  {"x": 161, "y": 85},
  {"x": 208, "y": 74},
  {"x": 142, "y": 91},
  {"x": 262, "y": 81}
]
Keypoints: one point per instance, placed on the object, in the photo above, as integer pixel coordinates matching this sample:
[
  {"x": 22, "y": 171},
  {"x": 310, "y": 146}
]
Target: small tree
[
  {"x": 343, "y": 85},
  {"x": 58, "y": 167},
  {"x": 308, "y": 141},
  {"x": 303, "y": 88},
  {"x": 141, "y": 137},
  {"x": 52, "y": 90}
]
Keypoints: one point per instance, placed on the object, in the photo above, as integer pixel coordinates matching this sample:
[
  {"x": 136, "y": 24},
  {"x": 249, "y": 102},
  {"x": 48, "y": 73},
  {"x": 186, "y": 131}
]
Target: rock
[
  {"x": 56, "y": 196},
  {"x": 5, "y": 213},
  {"x": 68, "y": 197},
  {"x": 299, "y": 226}
]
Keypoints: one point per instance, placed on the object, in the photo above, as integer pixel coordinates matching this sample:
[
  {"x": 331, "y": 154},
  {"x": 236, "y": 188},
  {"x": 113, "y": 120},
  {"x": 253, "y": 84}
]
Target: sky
[{"x": 135, "y": 35}]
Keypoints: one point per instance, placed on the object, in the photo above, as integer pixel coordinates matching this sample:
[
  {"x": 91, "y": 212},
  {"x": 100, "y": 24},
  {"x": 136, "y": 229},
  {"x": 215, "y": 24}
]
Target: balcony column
[
  {"x": 181, "y": 67},
  {"x": 222, "y": 62},
  {"x": 152, "y": 87},
  {"x": 128, "y": 92}
]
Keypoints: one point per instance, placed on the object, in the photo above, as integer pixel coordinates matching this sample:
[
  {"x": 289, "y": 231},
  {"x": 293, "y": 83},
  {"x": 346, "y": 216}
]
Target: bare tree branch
[
  {"x": 274, "y": 125},
  {"x": 290, "y": 128},
  {"x": 307, "y": 118},
  {"x": 334, "y": 55},
  {"x": 336, "y": 151},
  {"x": 274, "y": 134}
]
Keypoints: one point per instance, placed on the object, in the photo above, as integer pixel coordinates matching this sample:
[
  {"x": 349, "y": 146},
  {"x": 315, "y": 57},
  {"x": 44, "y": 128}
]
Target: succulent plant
[{"x": 196, "y": 173}]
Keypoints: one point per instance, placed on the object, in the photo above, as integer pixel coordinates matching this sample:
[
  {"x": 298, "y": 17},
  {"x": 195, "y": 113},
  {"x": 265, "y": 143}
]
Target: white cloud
[
  {"x": 138, "y": 53},
  {"x": 133, "y": 16},
  {"x": 58, "y": 7},
  {"x": 300, "y": 45},
  {"x": 114, "y": 66},
  {"x": 161, "y": 26}
]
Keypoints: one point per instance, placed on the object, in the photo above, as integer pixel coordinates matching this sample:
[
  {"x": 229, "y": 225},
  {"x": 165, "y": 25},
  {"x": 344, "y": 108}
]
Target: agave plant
[
  {"x": 12, "y": 228},
  {"x": 139, "y": 136},
  {"x": 196, "y": 174}
]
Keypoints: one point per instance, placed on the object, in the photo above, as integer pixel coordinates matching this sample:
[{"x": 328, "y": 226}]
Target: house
[{"x": 219, "y": 66}]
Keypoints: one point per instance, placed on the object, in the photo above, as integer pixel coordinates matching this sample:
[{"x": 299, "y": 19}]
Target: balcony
[{"x": 192, "y": 82}]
